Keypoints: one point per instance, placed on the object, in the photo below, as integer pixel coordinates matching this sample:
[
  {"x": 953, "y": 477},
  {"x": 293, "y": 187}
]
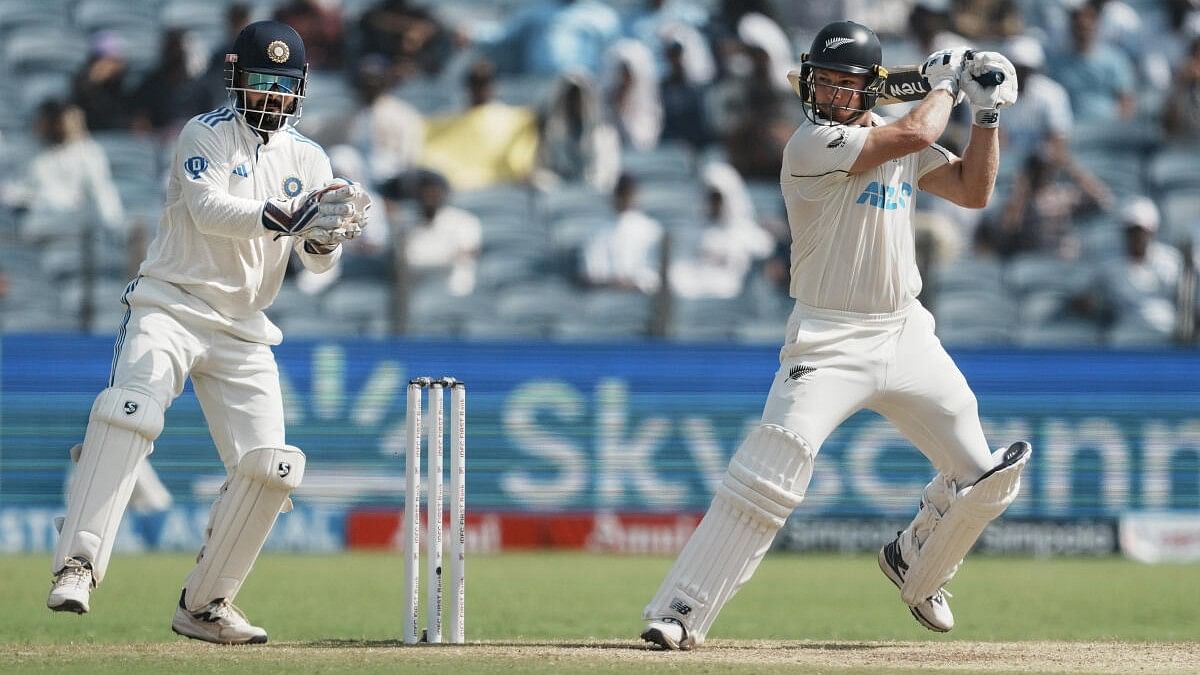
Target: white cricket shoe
[
  {"x": 219, "y": 622},
  {"x": 72, "y": 587},
  {"x": 669, "y": 634},
  {"x": 934, "y": 613}
]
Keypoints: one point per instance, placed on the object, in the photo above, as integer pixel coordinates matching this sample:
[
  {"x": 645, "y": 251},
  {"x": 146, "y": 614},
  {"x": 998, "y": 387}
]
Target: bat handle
[{"x": 992, "y": 78}]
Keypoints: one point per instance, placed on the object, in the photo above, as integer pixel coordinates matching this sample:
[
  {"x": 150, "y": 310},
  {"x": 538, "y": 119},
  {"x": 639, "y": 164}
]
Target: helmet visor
[{"x": 272, "y": 83}]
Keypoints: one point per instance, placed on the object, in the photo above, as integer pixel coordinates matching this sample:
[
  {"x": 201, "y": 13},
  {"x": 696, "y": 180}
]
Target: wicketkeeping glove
[
  {"x": 341, "y": 205},
  {"x": 943, "y": 70},
  {"x": 986, "y": 101}
]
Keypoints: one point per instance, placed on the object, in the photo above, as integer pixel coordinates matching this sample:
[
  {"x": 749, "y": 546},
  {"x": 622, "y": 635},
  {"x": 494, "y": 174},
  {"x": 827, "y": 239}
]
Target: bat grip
[{"x": 992, "y": 78}]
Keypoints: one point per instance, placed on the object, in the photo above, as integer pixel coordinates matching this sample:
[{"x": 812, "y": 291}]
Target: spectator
[
  {"x": 575, "y": 143},
  {"x": 729, "y": 244},
  {"x": 1097, "y": 76},
  {"x": 685, "y": 117},
  {"x": 1040, "y": 121},
  {"x": 237, "y": 16},
  {"x": 625, "y": 255},
  {"x": 101, "y": 89},
  {"x": 488, "y": 143},
  {"x": 320, "y": 25},
  {"x": 658, "y": 21},
  {"x": 932, "y": 26},
  {"x": 445, "y": 240},
  {"x": 1041, "y": 209},
  {"x": 70, "y": 187},
  {"x": 723, "y": 27},
  {"x": 1136, "y": 292},
  {"x": 987, "y": 19},
  {"x": 387, "y": 131},
  {"x": 408, "y": 36},
  {"x": 175, "y": 91},
  {"x": 550, "y": 37},
  {"x": 631, "y": 89},
  {"x": 1181, "y": 117}
]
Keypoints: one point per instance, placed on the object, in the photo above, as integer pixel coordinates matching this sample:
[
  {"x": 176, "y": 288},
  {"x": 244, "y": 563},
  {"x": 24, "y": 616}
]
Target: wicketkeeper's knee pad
[
  {"x": 769, "y": 474},
  {"x": 121, "y": 431},
  {"x": 241, "y": 520},
  {"x": 951, "y": 520}
]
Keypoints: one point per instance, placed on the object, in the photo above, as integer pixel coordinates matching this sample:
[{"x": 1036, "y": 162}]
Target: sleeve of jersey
[
  {"x": 203, "y": 169},
  {"x": 932, "y": 157},
  {"x": 817, "y": 159}
]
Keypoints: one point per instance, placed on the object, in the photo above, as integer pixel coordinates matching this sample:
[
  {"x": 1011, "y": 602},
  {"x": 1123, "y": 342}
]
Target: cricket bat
[{"x": 905, "y": 83}]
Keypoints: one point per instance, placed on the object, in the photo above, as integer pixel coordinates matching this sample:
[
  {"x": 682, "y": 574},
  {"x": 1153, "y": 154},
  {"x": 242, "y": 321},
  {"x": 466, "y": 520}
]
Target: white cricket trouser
[
  {"x": 236, "y": 380},
  {"x": 837, "y": 363}
]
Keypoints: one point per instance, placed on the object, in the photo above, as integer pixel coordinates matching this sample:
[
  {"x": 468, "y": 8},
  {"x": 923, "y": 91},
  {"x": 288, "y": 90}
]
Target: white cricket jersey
[
  {"x": 852, "y": 236},
  {"x": 211, "y": 241}
]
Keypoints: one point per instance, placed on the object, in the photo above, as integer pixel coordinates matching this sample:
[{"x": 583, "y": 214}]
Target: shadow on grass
[{"x": 613, "y": 645}]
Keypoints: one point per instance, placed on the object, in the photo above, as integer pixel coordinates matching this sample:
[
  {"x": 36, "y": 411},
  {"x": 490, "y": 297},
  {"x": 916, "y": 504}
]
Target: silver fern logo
[{"x": 834, "y": 43}]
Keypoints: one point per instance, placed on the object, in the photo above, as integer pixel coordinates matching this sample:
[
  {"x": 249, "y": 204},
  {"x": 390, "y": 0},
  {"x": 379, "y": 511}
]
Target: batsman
[
  {"x": 246, "y": 191},
  {"x": 858, "y": 337}
]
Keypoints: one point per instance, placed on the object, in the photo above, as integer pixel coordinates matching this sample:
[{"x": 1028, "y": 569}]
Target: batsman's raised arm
[{"x": 969, "y": 181}]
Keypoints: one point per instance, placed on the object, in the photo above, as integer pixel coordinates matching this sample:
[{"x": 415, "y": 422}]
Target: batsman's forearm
[
  {"x": 928, "y": 120},
  {"x": 981, "y": 160}
]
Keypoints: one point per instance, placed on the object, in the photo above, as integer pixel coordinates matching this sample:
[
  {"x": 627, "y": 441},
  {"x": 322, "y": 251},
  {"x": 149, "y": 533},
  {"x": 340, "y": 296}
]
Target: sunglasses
[{"x": 274, "y": 83}]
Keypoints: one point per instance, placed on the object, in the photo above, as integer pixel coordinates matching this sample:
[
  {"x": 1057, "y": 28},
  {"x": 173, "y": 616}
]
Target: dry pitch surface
[{"x": 718, "y": 656}]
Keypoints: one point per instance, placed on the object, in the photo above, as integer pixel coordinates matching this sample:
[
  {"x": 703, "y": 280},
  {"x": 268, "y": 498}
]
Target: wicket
[{"x": 433, "y": 511}]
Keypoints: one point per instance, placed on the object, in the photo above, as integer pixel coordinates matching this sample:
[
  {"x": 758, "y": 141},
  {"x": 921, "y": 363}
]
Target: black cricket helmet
[
  {"x": 268, "y": 57},
  {"x": 846, "y": 47}
]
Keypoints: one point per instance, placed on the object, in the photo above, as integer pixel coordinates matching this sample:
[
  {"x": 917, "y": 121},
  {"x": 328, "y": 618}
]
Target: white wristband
[
  {"x": 950, "y": 87},
  {"x": 988, "y": 118}
]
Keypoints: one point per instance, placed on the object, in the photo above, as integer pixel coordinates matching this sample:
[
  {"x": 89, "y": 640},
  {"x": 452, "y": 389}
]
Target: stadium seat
[
  {"x": 969, "y": 273},
  {"x": 670, "y": 161},
  {"x": 1180, "y": 215},
  {"x": 1175, "y": 166},
  {"x": 1030, "y": 272},
  {"x": 41, "y": 51},
  {"x": 1060, "y": 333}
]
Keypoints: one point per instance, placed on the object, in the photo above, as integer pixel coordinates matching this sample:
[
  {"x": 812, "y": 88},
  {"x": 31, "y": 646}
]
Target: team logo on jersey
[
  {"x": 838, "y": 142},
  {"x": 195, "y": 166},
  {"x": 886, "y": 197},
  {"x": 834, "y": 43},
  {"x": 292, "y": 186},
  {"x": 278, "y": 51},
  {"x": 241, "y": 170}
]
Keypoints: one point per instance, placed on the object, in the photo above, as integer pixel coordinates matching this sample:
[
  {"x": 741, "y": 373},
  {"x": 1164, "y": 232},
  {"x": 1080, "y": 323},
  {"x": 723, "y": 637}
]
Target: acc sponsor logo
[
  {"x": 130, "y": 407},
  {"x": 834, "y": 43},
  {"x": 292, "y": 186},
  {"x": 195, "y": 166},
  {"x": 283, "y": 469},
  {"x": 887, "y": 197}
]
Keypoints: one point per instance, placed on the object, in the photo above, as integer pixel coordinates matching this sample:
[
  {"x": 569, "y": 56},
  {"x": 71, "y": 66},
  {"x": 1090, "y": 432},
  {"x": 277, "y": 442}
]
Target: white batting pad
[
  {"x": 121, "y": 431},
  {"x": 954, "y": 533},
  {"x": 765, "y": 481},
  {"x": 241, "y": 520}
]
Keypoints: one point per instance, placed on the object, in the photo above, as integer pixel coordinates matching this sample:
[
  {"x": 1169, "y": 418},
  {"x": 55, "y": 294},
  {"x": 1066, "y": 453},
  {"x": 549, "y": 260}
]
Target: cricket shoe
[
  {"x": 669, "y": 634},
  {"x": 934, "y": 613},
  {"x": 72, "y": 587},
  {"x": 219, "y": 622}
]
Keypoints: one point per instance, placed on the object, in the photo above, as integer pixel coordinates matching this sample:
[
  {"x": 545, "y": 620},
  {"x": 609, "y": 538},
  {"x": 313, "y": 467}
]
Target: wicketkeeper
[
  {"x": 857, "y": 336},
  {"x": 246, "y": 191}
]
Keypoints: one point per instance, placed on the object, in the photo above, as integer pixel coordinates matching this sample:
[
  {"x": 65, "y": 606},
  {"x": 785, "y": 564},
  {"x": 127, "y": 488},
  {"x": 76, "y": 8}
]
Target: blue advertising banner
[{"x": 640, "y": 426}]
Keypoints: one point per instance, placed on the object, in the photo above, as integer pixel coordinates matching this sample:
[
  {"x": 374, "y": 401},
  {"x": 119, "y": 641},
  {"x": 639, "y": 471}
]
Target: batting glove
[
  {"x": 943, "y": 70},
  {"x": 987, "y": 100}
]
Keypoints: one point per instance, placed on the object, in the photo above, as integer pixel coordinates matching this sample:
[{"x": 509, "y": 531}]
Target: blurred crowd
[{"x": 592, "y": 169}]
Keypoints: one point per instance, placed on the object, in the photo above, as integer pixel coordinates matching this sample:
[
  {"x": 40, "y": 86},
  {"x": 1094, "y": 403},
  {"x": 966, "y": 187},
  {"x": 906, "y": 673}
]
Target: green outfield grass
[{"x": 343, "y": 611}]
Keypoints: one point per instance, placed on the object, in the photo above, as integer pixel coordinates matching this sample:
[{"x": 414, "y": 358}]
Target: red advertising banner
[{"x": 489, "y": 532}]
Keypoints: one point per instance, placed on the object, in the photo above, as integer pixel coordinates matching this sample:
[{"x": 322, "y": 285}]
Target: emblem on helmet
[{"x": 278, "y": 51}]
